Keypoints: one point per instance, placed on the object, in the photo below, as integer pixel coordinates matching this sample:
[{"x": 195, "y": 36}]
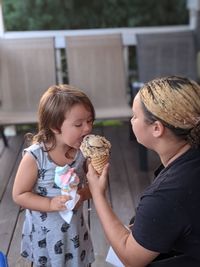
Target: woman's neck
[{"x": 170, "y": 156}]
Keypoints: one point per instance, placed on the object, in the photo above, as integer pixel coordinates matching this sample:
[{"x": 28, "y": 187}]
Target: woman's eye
[{"x": 78, "y": 125}]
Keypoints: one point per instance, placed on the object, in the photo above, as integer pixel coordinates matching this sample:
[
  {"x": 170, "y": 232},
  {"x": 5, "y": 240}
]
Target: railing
[
  {"x": 128, "y": 34},
  {"x": 128, "y": 38}
]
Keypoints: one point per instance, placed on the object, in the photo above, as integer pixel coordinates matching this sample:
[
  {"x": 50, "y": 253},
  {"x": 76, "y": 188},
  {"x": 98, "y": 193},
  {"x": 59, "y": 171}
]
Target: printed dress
[{"x": 47, "y": 239}]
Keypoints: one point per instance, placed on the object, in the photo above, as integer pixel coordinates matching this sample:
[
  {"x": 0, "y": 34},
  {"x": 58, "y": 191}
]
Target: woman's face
[
  {"x": 141, "y": 129},
  {"x": 78, "y": 123}
]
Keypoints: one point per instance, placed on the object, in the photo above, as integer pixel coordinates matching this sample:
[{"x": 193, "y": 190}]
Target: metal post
[
  {"x": 194, "y": 12},
  {"x": 1, "y": 20}
]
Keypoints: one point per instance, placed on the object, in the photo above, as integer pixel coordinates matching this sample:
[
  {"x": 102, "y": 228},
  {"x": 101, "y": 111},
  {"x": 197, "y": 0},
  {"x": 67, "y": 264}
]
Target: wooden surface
[{"x": 126, "y": 182}]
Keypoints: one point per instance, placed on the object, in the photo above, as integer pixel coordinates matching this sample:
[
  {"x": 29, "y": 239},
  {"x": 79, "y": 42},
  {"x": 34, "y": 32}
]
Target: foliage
[{"x": 22, "y": 15}]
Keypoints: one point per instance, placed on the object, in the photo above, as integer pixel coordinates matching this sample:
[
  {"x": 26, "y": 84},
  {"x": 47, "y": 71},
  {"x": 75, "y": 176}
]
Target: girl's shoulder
[
  {"x": 38, "y": 152},
  {"x": 33, "y": 148}
]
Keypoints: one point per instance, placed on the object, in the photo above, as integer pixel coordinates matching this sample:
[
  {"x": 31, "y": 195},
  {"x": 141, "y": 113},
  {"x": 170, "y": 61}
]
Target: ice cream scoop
[{"x": 97, "y": 148}]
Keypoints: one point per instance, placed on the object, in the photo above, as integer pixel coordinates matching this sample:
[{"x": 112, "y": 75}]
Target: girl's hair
[
  {"x": 175, "y": 101},
  {"x": 53, "y": 106}
]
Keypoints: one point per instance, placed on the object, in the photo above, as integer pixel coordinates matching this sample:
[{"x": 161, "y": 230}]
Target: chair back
[
  {"x": 27, "y": 69},
  {"x": 96, "y": 65},
  {"x": 163, "y": 54}
]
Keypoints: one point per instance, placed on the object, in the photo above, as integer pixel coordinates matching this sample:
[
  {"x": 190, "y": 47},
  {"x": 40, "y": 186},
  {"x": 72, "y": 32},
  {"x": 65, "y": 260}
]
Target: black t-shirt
[{"x": 168, "y": 215}]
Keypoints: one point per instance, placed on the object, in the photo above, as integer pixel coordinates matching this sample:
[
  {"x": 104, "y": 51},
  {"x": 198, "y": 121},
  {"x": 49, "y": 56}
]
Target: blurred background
[
  {"x": 109, "y": 48},
  {"x": 77, "y": 14}
]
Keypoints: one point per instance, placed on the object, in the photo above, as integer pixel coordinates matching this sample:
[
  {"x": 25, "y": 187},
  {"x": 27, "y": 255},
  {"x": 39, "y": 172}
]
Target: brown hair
[
  {"x": 53, "y": 106},
  {"x": 175, "y": 101}
]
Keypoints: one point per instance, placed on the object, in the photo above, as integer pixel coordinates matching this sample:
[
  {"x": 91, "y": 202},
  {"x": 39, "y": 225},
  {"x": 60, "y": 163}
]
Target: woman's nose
[{"x": 131, "y": 120}]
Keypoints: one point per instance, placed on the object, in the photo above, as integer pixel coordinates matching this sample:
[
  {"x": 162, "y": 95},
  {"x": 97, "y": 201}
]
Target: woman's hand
[
  {"x": 58, "y": 203},
  {"x": 97, "y": 184}
]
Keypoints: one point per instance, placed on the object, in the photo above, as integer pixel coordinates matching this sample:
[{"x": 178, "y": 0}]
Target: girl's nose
[{"x": 87, "y": 128}]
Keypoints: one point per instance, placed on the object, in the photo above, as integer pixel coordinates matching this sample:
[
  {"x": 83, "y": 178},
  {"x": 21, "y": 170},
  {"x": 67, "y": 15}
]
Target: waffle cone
[{"x": 99, "y": 162}]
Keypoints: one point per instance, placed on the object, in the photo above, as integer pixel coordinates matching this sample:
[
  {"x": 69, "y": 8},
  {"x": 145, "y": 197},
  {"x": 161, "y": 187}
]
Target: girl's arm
[
  {"x": 23, "y": 194},
  {"x": 131, "y": 253}
]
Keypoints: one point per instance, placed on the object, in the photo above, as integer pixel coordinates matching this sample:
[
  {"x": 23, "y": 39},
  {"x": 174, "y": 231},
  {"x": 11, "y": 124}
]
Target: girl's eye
[
  {"x": 78, "y": 125},
  {"x": 90, "y": 121}
]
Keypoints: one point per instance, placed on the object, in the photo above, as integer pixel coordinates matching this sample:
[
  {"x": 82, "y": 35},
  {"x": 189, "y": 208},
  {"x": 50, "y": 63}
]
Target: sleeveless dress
[{"x": 48, "y": 240}]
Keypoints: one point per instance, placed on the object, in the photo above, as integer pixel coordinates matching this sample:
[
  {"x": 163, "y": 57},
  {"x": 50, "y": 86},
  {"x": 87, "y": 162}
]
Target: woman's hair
[
  {"x": 53, "y": 106},
  {"x": 175, "y": 101}
]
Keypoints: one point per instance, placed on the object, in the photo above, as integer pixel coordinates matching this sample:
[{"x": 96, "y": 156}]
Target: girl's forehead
[{"x": 78, "y": 111}]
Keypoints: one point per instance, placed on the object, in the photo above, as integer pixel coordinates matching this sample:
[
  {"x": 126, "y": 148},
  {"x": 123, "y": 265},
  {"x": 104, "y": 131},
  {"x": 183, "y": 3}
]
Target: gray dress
[{"x": 47, "y": 239}]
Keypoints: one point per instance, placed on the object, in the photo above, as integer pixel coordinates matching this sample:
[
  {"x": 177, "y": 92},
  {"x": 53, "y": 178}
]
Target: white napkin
[
  {"x": 113, "y": 258},
  {"x": 70, "y": 204}
]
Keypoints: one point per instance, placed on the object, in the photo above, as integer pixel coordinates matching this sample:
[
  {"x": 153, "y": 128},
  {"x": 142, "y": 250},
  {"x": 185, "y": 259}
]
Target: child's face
[{"x": 78, "y": 123}]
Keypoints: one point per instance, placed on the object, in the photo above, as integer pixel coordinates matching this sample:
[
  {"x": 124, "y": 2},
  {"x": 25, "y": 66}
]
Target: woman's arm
[
  {"x": 131, "y": 253},
  {"x": 23, "y": 194}
]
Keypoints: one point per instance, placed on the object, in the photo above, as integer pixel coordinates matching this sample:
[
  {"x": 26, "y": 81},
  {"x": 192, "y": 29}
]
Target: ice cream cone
[
  {"x": 97, "y": 148},
  {"x": 99, "y": 162}
]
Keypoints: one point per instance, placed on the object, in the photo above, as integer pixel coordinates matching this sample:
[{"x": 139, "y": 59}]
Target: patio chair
[
  {"x": 163, "y": 54},
  {"x": 27, "y": 69},
  {"x": 96, "y": 65}
]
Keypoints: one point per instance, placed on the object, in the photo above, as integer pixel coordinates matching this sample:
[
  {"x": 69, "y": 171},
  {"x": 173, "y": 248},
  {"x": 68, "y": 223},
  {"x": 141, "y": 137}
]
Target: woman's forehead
[{"x": 136, "y": 102}]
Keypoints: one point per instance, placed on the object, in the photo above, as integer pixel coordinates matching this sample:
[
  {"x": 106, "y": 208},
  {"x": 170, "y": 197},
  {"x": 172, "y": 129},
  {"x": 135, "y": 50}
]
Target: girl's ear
[
  {"x": 158, "y": 129},
  {"x": 55, "y": 131}
]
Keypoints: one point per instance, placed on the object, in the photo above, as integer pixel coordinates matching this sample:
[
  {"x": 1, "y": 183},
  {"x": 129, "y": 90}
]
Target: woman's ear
[{"x": 158, "y": 129}]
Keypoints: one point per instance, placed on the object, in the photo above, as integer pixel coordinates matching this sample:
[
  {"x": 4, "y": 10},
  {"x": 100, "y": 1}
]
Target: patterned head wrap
[{"x": 174, "y": 100}]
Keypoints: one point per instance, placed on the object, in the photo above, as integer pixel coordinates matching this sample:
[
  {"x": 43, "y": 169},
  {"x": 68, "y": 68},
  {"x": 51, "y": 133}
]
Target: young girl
[{"x": 66, "y": 115}]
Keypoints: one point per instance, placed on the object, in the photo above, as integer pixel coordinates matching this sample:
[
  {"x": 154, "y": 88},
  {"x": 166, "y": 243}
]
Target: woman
[{"x": 166, "y": 119}]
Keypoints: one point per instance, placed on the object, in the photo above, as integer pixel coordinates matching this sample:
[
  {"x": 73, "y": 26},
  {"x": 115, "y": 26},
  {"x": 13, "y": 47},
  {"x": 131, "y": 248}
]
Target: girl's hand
[
  {"x": 58, "y": 203},
  {"x": 97, "y": 184}
]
